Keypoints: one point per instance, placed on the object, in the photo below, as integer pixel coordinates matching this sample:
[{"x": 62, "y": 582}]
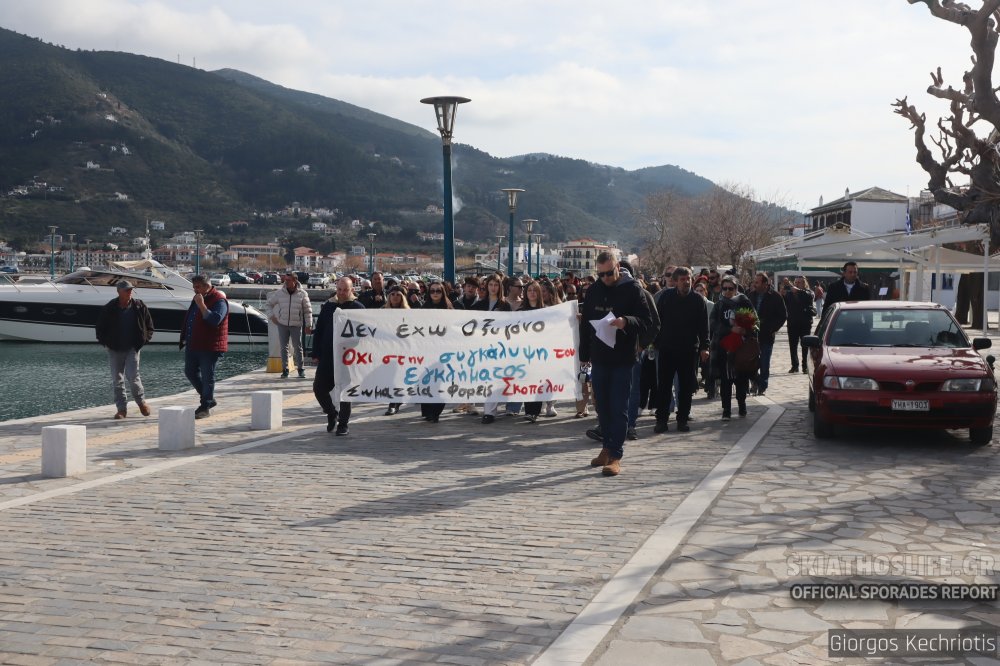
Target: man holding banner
[
  {"x": 322, "y": 351},
  {"x": 615, "y": 314}
]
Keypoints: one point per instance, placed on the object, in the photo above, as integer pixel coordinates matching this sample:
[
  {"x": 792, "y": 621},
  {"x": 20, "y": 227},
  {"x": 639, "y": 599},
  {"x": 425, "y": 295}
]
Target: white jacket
[{"x": 290, "y": 309}]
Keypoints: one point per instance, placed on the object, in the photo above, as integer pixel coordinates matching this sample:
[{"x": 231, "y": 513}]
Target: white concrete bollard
[
  {"x": 265, "y": 410},
  {"x": 273, "y": 348},
  {"x": 176, "y": 428},
  {"x": 64, "y": 450}
]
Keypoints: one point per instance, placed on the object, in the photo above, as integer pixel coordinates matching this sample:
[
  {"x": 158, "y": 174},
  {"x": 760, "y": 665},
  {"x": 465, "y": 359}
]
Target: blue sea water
[{"x": 47, "y": 378}]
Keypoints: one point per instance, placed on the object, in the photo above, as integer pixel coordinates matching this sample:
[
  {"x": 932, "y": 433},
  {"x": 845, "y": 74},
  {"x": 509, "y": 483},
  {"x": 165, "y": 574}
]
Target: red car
[{"x": 902, "y": 365}]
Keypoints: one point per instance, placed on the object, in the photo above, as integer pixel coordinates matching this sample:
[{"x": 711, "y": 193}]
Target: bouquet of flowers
[{"x": 746, "y": 319}]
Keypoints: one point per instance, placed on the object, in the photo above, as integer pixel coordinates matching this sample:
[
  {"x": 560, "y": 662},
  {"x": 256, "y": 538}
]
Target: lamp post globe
[
  {"x": 512, "y": 193},
  {"x": 445, "y": 108}
]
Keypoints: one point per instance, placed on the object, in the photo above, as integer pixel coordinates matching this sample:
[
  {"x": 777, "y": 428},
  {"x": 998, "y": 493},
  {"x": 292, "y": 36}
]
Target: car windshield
[{"x": 892, "y": 327}]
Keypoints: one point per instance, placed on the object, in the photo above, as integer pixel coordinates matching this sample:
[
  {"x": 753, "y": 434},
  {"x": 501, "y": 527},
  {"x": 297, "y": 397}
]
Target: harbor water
[{"x": 47, "y": 378}]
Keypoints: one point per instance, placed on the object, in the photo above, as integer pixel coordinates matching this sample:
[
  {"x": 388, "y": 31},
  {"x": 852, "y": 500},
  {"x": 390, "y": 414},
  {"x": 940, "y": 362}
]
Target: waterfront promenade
[{"x": 459, "y": 543}]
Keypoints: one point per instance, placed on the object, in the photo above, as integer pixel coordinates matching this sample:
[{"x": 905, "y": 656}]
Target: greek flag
[{"x": 909, "y": 225}]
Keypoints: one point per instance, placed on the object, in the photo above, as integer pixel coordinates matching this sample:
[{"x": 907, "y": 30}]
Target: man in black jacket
[
  {"x": 683, "y": 337},
  {"x": 611, "y": 375},
  {"x": 124, "y": 325},
  {"x": 323, "y": 382},
  {"x": 799, "y": 301},
  {"x": 847, "y": 288},
  {"x": 375, "y": 296},
  {"x": 772, "y": 313}
]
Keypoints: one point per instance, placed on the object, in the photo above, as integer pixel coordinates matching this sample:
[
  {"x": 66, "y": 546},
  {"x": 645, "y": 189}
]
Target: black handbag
[{"x": 746, "y": 359}]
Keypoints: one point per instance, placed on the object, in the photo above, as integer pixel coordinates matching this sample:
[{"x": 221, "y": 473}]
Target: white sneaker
[{"x": 550, "y": 410}]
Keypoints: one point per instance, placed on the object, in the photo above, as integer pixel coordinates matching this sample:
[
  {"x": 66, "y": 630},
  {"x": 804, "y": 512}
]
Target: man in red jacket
[{"x": 204, "y": 339}]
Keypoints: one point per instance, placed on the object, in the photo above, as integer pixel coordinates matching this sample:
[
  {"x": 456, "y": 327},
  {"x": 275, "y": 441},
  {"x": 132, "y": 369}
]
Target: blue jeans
[
  {"x": 612, "y": 385},
  {"x": 765, "y": 364},
  {"x": 199, "y": 368},
  {"x": 633, "y": 395}
]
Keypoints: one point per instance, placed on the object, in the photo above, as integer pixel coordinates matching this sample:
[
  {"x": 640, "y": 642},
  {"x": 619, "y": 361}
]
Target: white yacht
[{"x": 66, "y": 309}]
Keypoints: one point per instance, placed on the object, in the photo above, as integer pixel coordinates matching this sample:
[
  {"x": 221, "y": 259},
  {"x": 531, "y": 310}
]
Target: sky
[{"x": 790, "y": 98}]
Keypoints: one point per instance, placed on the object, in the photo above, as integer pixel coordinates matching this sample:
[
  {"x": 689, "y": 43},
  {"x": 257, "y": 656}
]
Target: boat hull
[{"x": 49, "y": 315}]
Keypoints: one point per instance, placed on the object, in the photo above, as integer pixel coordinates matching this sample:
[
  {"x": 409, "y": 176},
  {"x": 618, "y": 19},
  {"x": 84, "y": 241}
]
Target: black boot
[{"x": 331, "y": 422}]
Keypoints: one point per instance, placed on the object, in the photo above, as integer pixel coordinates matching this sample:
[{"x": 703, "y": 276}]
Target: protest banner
[{"x": 456, "y": 356}]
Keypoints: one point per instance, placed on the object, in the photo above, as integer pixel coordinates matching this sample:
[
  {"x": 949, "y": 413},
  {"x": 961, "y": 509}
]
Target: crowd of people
[{"x": 675, "y": 336}]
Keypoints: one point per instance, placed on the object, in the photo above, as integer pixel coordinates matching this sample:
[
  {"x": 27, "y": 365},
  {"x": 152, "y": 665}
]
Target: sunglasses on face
[
  {"x": 604, "y": 274},
  {"x": 437, "y": 291},
  {"x": 729, "y": 289}
]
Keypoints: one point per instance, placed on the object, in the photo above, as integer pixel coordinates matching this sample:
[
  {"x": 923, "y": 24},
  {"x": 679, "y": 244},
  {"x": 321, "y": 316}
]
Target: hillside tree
[{"x": 961, "y": 154}]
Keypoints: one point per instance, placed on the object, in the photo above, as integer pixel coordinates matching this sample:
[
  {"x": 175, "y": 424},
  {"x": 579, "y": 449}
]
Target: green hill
[{"x": 201, "y": 149}]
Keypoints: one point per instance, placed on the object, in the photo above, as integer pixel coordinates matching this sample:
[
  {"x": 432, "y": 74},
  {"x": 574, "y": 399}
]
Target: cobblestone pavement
[
  {"x": 801, "y": 506},
  {"x": 406, "y": 542}
]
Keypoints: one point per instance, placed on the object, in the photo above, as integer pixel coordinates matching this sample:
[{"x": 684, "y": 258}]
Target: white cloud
[{"x": 785, "y": 97}]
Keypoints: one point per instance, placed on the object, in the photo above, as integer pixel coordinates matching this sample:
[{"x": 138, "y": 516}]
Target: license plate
[{"x": 911, "y": 405}]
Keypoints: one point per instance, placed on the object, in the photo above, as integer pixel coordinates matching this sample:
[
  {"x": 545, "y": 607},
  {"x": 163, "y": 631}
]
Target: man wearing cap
[
  {"x": 124, "y": 325},
  {"x": 204, "y": 339},
  {"x": 290, "y": 310}
]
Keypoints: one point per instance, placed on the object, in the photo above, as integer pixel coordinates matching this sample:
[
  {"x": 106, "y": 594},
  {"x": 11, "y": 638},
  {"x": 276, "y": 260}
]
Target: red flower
[{"x": 731, "y": 342}]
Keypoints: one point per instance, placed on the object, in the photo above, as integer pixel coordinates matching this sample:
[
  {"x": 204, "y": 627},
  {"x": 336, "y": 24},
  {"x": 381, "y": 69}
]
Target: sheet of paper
[{"x": 604, "y": 330}]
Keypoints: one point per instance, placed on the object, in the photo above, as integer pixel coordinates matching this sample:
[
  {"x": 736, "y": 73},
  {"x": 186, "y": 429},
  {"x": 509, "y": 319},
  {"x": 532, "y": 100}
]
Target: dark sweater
[
  {"x": 683, "y": 323},
  {"x": 323, "y": 333},
  {"x": 624, "y": 299}
]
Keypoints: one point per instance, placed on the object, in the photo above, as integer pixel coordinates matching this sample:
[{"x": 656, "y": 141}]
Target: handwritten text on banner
[{"x": 457, "y": 356}]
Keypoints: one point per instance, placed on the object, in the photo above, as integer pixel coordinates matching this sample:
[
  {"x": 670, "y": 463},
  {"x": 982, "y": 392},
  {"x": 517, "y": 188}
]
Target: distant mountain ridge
[{"x": 201, "y": 149}]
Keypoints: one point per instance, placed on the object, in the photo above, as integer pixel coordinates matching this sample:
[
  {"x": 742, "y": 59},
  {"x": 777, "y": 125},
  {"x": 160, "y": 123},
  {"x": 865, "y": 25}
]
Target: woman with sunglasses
[
  {"x": 395, "y": 299},
  {"x": 722, "y": 323},
  {"x": 437, "y": 299}
]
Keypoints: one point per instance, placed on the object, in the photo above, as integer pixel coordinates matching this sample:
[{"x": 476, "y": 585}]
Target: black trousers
[
  {"x": 795, "y": 334},
  {"x": 532, "y": 408},
  {"x": 647, "y": 384},
  {"x": 672, "y": 362},
  {"x": 322, "y": 385},
  {"x": 431, "y": 409}
]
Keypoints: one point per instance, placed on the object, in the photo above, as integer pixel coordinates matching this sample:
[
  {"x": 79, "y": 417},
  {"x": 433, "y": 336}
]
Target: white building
[{"x": 871, "y": 211}]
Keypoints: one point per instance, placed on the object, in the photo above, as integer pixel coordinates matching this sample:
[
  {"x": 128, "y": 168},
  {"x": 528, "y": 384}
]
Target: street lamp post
[
  {"x": 538, "y": 254},
  {"x": 445, "y": 109},
  {"x": 528, "y": 225},
  {"x": 52, "y": 252},
  {"x": 499, "y": 243},
  {"x": 72, "y": 252},
  {"x": 197, "y": 251},
  {"x": 87, "y": 260},
  {"x": 371, "y": 256},
  {"x": 511, "y": 207}
]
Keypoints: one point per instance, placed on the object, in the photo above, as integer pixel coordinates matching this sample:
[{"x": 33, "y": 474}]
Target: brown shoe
[
  {"x": 120, "y": 415},
  {"x": 144, "y": 409},
  {"x": 613, "y": 468},
  {"x": 603, "y": 458}
]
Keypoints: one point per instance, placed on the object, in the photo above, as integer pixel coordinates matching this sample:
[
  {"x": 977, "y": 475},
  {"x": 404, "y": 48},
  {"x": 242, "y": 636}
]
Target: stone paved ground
[
  {"x": 403, "y": 542},
  {"x": 459, "y": 543},
  {"x": 725, "y": 597}
]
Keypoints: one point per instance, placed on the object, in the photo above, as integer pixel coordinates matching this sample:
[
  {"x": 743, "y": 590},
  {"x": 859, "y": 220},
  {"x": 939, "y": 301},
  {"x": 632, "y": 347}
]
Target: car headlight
[
  {"x": 962, "y": 385},
  {"x": 850, "y": 383}
]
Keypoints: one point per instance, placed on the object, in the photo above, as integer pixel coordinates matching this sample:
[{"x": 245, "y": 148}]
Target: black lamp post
[
  {"x": 538, "y": 254},
  {"x": 52, "y": 252},
  {"x": 197, "y": 251},
  {"x": 528, "y": 226},
  {"x": 511, "y": 207},
  {"x": 445, "y": 109},
  {"x": 499, "y": 243},
  {"x": 72, "y": 252},
  {"x": 87, "y": 260},
  {"x": 371, "y": 260}
]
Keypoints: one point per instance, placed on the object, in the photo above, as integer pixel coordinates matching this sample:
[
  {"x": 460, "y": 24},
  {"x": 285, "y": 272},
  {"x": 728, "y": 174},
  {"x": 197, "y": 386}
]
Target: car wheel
[
  {"x": 822, "y": 429},
  {"x": 981, "y": 436},
  {"x": 812, "y": 400}
]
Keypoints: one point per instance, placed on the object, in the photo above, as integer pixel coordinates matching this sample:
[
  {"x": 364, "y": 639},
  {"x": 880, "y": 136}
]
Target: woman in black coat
[{"x": 722, "y": 323}]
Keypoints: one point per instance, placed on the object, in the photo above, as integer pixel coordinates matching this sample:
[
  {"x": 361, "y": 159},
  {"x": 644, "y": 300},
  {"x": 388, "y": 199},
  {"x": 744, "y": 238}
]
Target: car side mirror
[
  {"x": 811, "y": 341},
  {"x": 981, "y": 343}
]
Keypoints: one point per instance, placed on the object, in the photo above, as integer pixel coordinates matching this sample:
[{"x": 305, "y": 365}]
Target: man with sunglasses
[{"x": 611, "y": 365}]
